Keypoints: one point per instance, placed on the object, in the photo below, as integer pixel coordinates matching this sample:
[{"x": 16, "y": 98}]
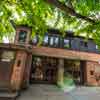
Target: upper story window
[
  {"x": 56, "y": 41},
  {"x": 35, "y": 40},
  {"x": 46, "y": 40},
  {"x": 22, "y": 36},
  {"x": 84, "y": 43},
  {"x": 97, "y": 47},
  {"x": 66, "y": 43},
  {"x": 51, "y": 41}
]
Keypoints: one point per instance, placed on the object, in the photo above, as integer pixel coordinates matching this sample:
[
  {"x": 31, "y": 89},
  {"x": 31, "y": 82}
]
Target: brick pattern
[
  {"x": 93, "y": 73},
  {"x": 18, "y": 70}
]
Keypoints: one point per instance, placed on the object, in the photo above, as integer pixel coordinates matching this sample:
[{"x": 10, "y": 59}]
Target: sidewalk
[{"x": 51, "y": 92}]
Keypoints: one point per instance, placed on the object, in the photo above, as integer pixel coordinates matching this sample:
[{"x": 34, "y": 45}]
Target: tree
[{"x": 80, "y": 16}]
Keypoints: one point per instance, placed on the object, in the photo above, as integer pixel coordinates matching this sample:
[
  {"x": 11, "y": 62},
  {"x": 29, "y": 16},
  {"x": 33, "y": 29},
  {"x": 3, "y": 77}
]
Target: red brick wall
[
  {"x": 18, "y": 70},
  {"x": 92, "y": 73}
]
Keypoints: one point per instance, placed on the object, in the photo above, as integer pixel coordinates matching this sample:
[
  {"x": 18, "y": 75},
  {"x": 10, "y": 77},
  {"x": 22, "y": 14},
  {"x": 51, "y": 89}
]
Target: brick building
[
  {"x": 26, "y": 62},
  {"x": 59, "y": 55}
]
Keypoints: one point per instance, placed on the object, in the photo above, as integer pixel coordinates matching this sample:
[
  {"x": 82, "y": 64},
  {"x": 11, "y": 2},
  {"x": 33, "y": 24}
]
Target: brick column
[{"x": 18, "y": 70}]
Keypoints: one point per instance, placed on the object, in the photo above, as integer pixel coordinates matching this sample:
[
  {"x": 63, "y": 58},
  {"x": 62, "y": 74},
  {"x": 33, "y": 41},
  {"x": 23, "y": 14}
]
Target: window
[
  {"x": 66, "y": 43},
  {"x": 46, "y": 39},
  {"x": 97, "y": 47},
  {"x": 51, "y": 41},
  {"x": 35, "y": 40},
  {"x": 7, "y": 56},
  {"x": 84, "y": 43},
  {"x": 22, "y": 36},
  {"x": 56, "y": 41}
]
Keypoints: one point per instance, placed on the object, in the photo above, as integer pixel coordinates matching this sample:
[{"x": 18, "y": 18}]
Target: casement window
[{"x": 54, "y": 41}]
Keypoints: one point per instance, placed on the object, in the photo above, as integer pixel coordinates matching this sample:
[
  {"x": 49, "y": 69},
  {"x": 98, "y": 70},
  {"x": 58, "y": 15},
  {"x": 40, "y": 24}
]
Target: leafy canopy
[{"x": 80, "y": 16}]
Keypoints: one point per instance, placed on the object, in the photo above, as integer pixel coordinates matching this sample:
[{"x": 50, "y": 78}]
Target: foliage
[
  {"x": 26, "y": 12},
  {"x": 40, "y": 15}
]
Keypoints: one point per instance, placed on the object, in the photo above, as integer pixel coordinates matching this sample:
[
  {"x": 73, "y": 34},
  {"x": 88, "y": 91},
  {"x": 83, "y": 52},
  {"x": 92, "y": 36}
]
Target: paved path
[{"x": 51, "y": 92}]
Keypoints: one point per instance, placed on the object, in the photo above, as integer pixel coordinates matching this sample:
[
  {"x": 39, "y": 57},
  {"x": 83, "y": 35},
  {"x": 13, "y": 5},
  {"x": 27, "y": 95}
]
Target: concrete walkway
[{"x": 52, "y": 92}]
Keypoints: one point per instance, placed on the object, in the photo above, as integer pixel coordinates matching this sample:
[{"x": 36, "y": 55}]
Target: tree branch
[{"x": 69, "y": 10}]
